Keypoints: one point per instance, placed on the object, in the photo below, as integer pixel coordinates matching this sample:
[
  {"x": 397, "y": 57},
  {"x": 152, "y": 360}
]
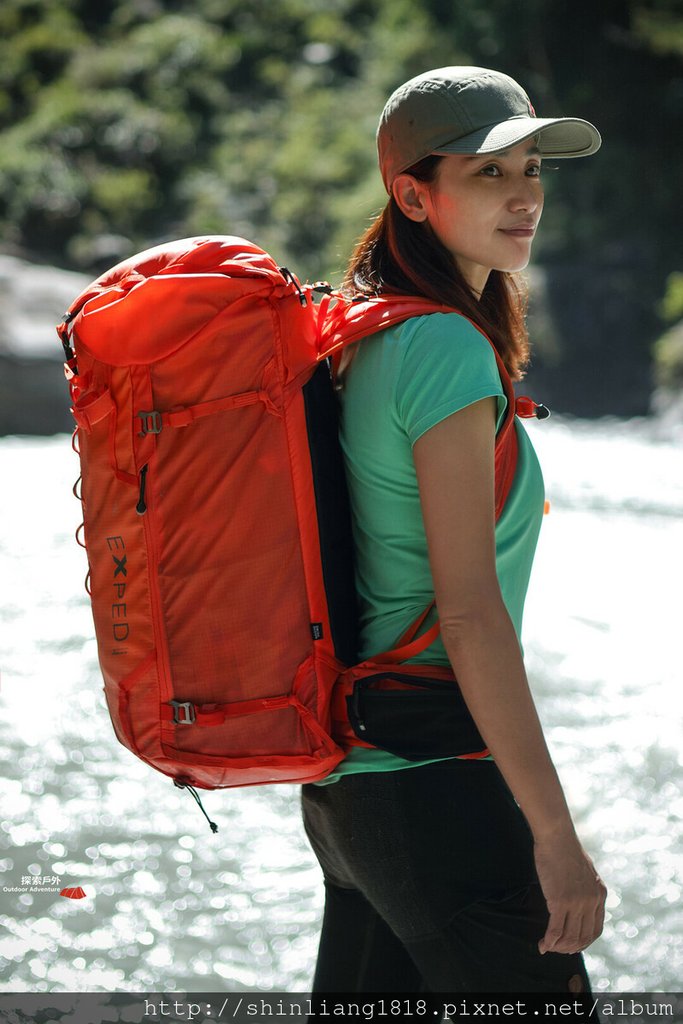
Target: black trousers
[{"x": 430, "y": 886}]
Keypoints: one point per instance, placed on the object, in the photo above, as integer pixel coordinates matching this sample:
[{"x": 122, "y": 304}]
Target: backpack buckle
[
  {"x": 187, "y": 709},
  {"x": 150, "y": 423}
]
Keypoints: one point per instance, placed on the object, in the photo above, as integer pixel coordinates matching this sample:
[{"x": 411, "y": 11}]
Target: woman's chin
[{"x": 514, "y": 266}]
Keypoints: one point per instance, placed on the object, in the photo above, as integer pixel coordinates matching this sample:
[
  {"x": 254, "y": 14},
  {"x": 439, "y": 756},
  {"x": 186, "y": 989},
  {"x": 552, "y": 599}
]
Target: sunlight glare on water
[
  {"x": 172, "y": 907},
  {"x": 603, "y": 621}
]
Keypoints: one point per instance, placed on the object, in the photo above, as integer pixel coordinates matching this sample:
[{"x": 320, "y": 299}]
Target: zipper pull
[
  {"x": 354, "y": 701},
  {"x": 193, "y": 792},
  {"x": 141, "y": 506},
  {"x": 290, "y": 279}
]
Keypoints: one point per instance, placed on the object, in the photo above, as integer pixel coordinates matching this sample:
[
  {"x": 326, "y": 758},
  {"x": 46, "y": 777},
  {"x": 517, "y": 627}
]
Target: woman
[{"x": 451, "y": 874}]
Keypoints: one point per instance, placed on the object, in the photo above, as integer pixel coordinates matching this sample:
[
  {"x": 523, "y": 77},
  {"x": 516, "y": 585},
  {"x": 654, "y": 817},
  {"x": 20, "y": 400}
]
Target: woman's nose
[{"x": 527, "y": 197}]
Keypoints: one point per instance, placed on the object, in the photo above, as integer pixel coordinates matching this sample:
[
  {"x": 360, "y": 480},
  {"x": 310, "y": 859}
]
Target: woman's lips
[{"x": 522, "y": 231}]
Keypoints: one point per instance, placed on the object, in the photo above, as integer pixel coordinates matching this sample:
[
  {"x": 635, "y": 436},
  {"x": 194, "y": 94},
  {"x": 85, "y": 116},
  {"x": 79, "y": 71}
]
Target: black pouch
[{"x": 429, "y": 720}]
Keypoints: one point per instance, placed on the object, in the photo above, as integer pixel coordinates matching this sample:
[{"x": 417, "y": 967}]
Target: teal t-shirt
[{"x": 401, "y": 383}]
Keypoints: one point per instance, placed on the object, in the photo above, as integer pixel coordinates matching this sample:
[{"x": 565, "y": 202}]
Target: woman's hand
[{"x": 574, "y": 892}]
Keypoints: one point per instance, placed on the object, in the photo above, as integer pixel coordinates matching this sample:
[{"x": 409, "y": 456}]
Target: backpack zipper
[
  {"x": 147, "y": 514},
  {"x": 141, "y": 506}
]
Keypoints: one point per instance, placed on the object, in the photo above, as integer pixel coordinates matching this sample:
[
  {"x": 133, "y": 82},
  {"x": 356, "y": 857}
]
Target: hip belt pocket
[{"x": 412, "y": 716}]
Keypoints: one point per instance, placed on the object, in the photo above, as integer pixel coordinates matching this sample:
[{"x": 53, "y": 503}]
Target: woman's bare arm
[{"x": 454, "y": 463}]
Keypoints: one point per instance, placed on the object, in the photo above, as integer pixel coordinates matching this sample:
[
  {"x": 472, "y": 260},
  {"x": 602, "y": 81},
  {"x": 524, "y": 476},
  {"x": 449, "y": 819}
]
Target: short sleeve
[{"x": 447, "y": 365}]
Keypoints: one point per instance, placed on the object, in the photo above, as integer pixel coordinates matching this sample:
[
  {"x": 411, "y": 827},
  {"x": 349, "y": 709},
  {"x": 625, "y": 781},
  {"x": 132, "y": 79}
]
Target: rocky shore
[{"x": 33, "y": 395}]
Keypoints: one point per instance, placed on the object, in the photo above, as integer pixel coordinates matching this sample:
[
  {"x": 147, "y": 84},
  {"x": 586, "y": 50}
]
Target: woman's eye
[{"x": 494, "y": 171}]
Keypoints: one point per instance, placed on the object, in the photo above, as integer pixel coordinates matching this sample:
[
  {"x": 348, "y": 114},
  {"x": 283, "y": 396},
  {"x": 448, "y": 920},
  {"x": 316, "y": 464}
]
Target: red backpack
[{"x": 215, "y": 514}]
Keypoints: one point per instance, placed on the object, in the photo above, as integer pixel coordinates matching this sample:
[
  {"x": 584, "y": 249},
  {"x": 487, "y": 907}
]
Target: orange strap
[
  {"x": 409, "y": 645},
  {"x": 153, "y": 421},
  {"x": 183, "y": 417},
  {"x": 342, "y": 321},
  {"x": 414, "y": 647},
  {"x": 185, "y": 712},
  {"x": 89, "y": 413}
]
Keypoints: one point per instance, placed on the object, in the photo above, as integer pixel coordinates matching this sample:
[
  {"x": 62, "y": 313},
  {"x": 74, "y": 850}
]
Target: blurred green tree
[{"x": 124, "y": 122}]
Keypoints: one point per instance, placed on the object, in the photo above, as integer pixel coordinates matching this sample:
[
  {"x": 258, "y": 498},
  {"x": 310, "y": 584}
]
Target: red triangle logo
[{"x": 74, "y": 893}]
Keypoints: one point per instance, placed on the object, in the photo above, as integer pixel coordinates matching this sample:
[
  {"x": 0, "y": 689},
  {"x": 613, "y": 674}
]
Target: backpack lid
[{"x": 170, "y": 293}]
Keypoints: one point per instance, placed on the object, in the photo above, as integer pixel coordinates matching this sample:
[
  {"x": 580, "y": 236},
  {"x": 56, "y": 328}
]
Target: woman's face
[{"x": 484, "y": 209}]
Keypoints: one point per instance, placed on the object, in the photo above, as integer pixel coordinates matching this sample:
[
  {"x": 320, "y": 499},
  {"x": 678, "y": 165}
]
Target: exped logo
[
  {"x": 120, "y": 564},
  {"x": 119, "y": 611}
]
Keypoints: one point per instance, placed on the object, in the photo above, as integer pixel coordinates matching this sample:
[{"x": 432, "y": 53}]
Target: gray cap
[{"x": 470, "y": 110}]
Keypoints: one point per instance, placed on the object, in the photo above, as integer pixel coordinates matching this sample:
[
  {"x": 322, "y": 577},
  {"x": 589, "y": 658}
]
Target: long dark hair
[{"x": 398, "y": 255}]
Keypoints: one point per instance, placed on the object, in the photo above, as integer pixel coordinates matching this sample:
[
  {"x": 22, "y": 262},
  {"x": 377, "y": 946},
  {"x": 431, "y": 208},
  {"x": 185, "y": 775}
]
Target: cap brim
[{"x": 558, "y": 137}]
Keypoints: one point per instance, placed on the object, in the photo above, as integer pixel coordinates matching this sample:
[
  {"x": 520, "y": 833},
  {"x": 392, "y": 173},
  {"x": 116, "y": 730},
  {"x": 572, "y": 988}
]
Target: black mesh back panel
[{"x": 334, "y": 516}]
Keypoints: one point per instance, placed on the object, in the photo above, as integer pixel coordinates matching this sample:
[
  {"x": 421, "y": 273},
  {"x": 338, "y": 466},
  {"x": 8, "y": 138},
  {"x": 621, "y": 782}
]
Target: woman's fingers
[
  {"x": 554, "y": 931},
  {"x": 576, "y": 932}
]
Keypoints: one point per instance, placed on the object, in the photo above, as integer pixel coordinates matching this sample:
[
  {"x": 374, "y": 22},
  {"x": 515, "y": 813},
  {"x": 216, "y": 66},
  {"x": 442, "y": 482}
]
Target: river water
[{"x": 169, "y": 906}]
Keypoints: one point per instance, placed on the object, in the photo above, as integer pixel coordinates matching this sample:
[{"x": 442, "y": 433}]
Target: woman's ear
[{"x": 410, "y": 195}]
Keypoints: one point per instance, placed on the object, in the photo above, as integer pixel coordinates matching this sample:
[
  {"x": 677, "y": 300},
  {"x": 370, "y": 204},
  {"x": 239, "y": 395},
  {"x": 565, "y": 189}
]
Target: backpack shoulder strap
[{"x": 342, "y": 322}]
